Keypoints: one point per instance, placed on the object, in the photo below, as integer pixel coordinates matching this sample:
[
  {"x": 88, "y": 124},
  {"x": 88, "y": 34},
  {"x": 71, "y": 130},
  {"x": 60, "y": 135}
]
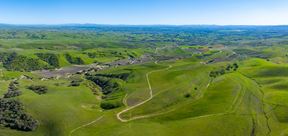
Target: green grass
[
  {"x": 61, "y": 109},
  {"x": 251, "y": 101}
]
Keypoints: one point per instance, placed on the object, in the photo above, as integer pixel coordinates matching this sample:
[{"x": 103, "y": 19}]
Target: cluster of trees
[
  {"x": 233, "y": 67},
  {"x": 50, "y": 58},
  {"x": 39, "y": 89},
  {"x": 73, "y": 60},
  {"x": 111, "y": 88},
  {"x": 12, "y": 115},
  {"x": 13, "y": 90},
  {"x": 216, "y": 73},
  {"x": 108, "y": 85},
  {"x": 222, "y": 71},
  {"x": 15, "y": 62}
]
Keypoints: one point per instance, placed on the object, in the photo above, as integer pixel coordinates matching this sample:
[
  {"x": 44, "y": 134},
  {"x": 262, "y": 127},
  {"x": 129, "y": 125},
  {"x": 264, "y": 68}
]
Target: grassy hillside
[{"x": 124, "y": 81}]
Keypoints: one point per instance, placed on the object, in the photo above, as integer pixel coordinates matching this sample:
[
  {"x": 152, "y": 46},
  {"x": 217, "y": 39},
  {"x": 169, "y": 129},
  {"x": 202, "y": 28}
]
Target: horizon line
[{"x": 66, "y": 24}]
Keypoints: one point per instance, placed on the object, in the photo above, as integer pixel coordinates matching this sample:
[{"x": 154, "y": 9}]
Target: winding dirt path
[
  {"x": 85, "y": 125},
  {"x": 139, "y": 104}
]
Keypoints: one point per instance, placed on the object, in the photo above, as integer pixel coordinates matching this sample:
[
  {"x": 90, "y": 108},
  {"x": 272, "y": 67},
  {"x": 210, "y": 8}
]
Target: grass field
[{"x": 171, "y": 89}]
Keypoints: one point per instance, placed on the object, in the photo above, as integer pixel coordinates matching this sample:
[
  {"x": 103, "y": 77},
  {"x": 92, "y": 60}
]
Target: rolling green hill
[{"x": 140, "y": 82}]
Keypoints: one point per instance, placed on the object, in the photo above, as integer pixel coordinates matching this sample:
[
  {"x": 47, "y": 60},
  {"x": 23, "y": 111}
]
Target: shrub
[
  {"x": 39, "y": 89},
  {"x": 75, "y": 83},
  {"x": 187, "y": 95},
  {"x": 109, "y": 105}
]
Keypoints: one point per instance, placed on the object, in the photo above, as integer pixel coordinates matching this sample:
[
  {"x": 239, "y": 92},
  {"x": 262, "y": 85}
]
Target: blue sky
[{"x": 145, "y": 12}]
